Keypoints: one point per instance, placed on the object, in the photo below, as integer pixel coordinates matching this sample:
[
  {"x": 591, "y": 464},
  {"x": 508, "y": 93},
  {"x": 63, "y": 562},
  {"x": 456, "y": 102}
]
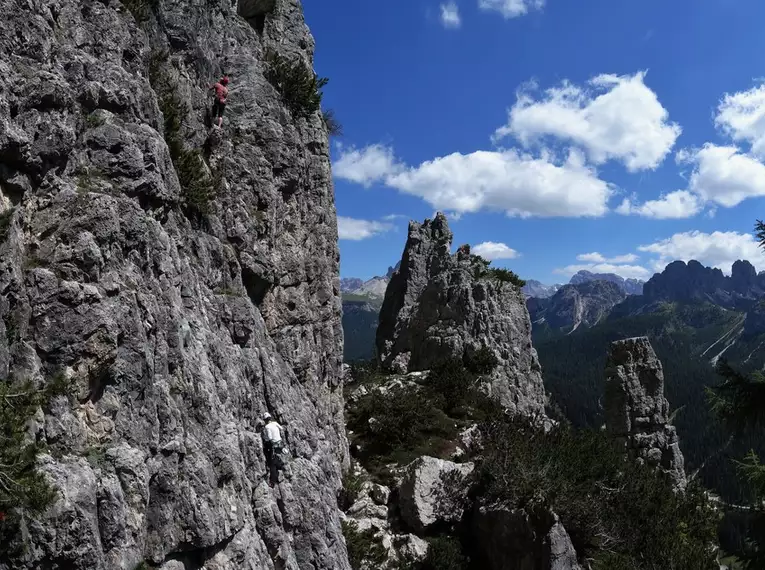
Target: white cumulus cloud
[
  {"x": 511, "y": 8},
  {"x": 675, "y": 205},
  {"x": 716, "y": 249},
  {"x": 365, "y": 166},
  {"x": 507, "y": 181},
  {"x": 723, "y": 175},
  {"x": 450, "y": 15},
  {"x": 617, "y": 117},
  {"x": 355, "y": 229},
  {"x": 742, "y": 117},
  {"x": 623, "y": 270},
  {"x": 596, "y": 257},
  {"x": 492, "y": 250}
]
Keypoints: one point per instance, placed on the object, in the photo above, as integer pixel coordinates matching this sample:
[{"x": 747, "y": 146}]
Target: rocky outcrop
[
  {"x": 433, "y": 492},
  {"x": 636, "y": 411},
  {"x": 180, "y": 321},
  {"x": 575, "y": 306},
  {"x": 509, "y": 539},
  {"x": 438, "y": 306},
  {"x": 369, "y": 513},
  {"x": 627, "y": 286}
]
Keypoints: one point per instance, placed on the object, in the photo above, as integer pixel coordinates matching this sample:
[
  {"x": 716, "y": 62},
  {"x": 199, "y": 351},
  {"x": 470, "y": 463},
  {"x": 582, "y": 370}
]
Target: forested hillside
[{"x": 687, "y": 337}]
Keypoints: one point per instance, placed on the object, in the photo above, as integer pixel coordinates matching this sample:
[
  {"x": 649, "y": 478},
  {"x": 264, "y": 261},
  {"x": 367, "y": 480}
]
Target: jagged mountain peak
[
  {"x": 440, "y": 306},
  {"x": 629, "y": 286},
  {"x": 681, "y": 281}
]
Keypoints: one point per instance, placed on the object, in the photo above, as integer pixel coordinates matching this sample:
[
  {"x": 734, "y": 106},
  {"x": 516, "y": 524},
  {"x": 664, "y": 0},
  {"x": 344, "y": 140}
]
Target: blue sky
[{"x": 558, "y": 135}]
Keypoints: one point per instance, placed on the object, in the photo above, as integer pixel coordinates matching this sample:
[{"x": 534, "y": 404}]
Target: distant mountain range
[
  {"x": 582, "y": 303},
  {"x": 534, "y": 288},
  {"x": 572, "y": 306}
]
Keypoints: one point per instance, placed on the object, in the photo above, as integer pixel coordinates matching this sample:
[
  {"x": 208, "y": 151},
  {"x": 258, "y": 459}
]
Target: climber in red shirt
[{"x": 221, "y": 93}]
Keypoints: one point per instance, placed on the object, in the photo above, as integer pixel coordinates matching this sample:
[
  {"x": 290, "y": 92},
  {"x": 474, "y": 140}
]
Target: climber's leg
[{"x": 218, "y": 109}]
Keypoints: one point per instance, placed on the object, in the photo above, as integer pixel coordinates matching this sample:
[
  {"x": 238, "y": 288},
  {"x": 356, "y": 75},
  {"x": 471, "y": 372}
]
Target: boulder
[{"x": 433, "y": 491}]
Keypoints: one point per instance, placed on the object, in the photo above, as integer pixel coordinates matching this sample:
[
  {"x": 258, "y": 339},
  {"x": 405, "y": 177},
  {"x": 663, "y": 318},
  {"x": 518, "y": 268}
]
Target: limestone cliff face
[
  {"x": 178, "y": 329},
  {"x": 436, "y": 308},
  {"x": 637, "y": 413}
]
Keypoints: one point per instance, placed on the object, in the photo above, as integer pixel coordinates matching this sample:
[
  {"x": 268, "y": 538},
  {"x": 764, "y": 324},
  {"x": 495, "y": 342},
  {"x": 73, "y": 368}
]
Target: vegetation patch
[
  {"x": 334, "y": 128},
  {"x": 95, "y": 456},
  {"x": 88, "y": 181},
  {"x": 481, "y": 270},
  {"x": 352, "y": 484},
  {"x": 482, "y": 361},
  {"x": 621, "y": 515},
  {"x": 196, "y": 183},
  {"x": 363, "y": 546},
  {"x": 23, "y": 489},
  {"x": 444, "y": 553},
  {"x": 298, "y": 85},
  {"x": 94, "y": 120},
  {"x": 411, "y": 421}
]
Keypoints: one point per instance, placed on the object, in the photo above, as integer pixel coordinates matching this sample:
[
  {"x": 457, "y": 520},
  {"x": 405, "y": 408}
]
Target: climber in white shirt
[{"x": 273, "y": 445}]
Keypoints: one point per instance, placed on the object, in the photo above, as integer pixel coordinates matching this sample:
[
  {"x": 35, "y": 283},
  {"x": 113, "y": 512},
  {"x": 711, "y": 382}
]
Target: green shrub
[
  {"x": 196, "y": 184},
  {"x": 94, "y": 120},
  {"x": 444, "y": 553},
  {"x": 334, "y": 127},
  {"x": 366, "y": 371},
  {"x": 505, "y": 276},
  {"x": 88, "y": 181},
  {"x": 481, "y": 361},
  {"x": 362, "y": 546},
  {"x": 401, "y": 419},
  {"x": 299, "y": 86},
  {"x": 453, "y": 384},
  {"x": 481, "y": 270},
  {"x": 95, "y": 456},
  {"x": 352, "y": 484},
  {"x": 479, "y": 261},
  {"x": 615, "y": 512}
]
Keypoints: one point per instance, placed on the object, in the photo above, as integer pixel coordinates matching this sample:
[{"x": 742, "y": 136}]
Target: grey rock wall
[{"x": 178, "y": 330}]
